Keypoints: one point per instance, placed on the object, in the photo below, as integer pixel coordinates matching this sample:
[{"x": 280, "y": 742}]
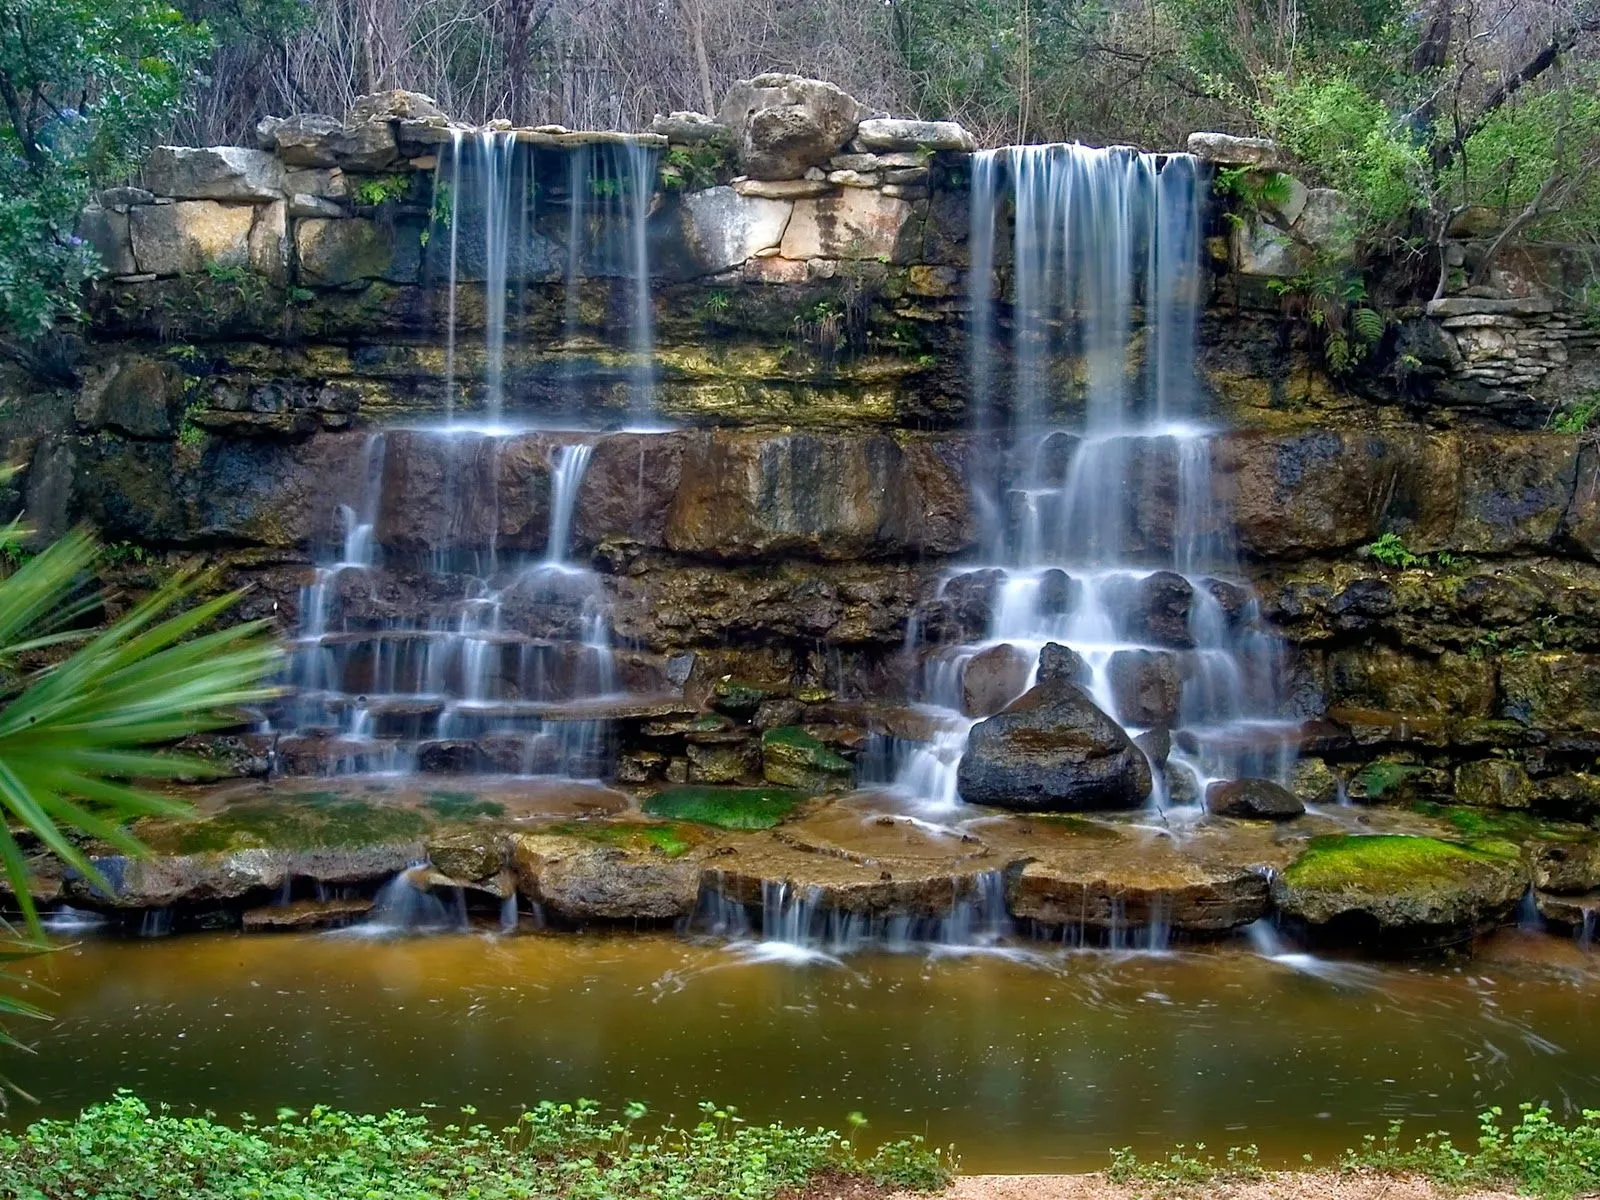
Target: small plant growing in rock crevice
[
  {"x": 1576, "y": 418},
  {"x": 1391, "y": 551},
  {"x": 381, "y": 190}
]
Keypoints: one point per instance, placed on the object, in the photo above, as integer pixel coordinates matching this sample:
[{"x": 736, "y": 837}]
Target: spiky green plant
[{"x": 84, "y": 713}]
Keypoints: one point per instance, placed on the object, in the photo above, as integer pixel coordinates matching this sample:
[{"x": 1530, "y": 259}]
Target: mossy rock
[
  {"x": 1404, "y": 887},
  {"x": 672, "y": 840},
  {"x": 726, "y": 808},
  {"x": 312, "y": 820},
  {"x": 1396, "y": 782},
  {"x": 738, "y": 698},
  {"x": 791, "y": 757}
]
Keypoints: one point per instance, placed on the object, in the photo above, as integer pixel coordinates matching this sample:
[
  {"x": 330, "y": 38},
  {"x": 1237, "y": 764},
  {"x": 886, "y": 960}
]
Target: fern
[{"x": 1367, "y": 324}]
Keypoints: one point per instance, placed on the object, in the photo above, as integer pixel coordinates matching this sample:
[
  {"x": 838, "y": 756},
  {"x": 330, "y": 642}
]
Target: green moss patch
[
  {"x": 1384, "y": 862},
  {"x": 726, "y": 808},
  {"x": 308, "y": 821},
  {"x": 462, "y": 806},
  {"x": 672, "y": 840},
  {"x": 796, "y": 745}
]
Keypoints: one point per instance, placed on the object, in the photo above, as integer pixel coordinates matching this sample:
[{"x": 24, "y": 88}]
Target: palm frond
[{"x": 76, "y": 741}]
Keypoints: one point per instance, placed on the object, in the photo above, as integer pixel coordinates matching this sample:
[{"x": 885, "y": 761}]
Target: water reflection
[{"x": 1033, "y": 1061}]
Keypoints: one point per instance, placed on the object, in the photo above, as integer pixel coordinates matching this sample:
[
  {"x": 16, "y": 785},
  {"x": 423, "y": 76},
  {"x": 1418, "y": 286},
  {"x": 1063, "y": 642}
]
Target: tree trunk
[{"x": 694, "y": 17}]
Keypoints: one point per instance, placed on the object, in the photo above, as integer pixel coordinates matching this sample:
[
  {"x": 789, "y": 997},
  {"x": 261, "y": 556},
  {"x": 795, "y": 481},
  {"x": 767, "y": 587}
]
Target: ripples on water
[{"x": 1027, "y": 1057}]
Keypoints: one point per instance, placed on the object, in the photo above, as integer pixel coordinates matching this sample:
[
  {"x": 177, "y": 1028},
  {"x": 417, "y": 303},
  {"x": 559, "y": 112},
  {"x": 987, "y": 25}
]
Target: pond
[{"x": 1030, "y": 1058}]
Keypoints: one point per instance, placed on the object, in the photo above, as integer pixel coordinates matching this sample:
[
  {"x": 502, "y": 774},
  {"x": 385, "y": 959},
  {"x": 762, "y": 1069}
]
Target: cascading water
[
  {"x": 1096, "y": 524},
  {"x": 468, "y": 655}
]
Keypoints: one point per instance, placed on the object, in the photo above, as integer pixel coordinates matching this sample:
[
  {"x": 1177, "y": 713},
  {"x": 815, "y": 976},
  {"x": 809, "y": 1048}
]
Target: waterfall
[
  {"x": 800, "y": 924},
  {"x": 1099, "y": 493},
  {"x": 595, "y": 207},
  {"x": 451, "y": 643}
]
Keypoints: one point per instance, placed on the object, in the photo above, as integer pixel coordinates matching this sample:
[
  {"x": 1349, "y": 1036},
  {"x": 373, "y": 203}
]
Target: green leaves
[
  {"x": 86, "y": 85},
  {"x": 122, "y": 1150},
  {"x": 73, "y": 740}
]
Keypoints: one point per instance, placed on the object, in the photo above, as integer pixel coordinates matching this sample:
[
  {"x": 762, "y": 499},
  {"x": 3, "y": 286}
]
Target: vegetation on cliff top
[{"x": 122, "y": 1149}]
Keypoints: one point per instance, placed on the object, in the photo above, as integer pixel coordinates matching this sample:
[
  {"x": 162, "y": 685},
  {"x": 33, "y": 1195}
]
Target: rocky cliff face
[{"x": 270, "y": 308}]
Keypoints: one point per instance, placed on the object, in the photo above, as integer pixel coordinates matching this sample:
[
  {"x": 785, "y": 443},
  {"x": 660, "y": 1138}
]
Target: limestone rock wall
[{"x": 269, "y": 308}]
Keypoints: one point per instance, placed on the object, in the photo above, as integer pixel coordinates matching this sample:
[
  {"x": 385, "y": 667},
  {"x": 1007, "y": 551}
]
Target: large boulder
[
  {"x": 783, "y": 124},
  {"x": 1053, "y": 750},
  {"x": 581, "y": 881},
  {"x": 722, "y": 229},
  {"x": 189, "y": 236},
  {"x": 1414, "y": 890}
]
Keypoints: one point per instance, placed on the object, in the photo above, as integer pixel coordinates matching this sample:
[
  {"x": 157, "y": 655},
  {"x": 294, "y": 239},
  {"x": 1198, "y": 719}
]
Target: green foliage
[
  {"x": 382, "y": 189},
  {"x": 1253, "y": 191},
  {"x": 693, "y": 168},
  {"x": 1391, "y": 551},
  {"x": 87, "y": 84},
  {"x": 1535, "y": 1156},
  {"x": 73, "y": 734},
  {"x": 1347, "y": 135},
  {"x": 123, "y": 1150},
  {"x": 1240, "y": 1164},
  {"x": 1577, "y": 417},
  {"x": 191, "y": 436},
  {"x": 726, "y": 807},
  {"x": 604, "y": 187},
  {"x": 1515, "y": 151}
]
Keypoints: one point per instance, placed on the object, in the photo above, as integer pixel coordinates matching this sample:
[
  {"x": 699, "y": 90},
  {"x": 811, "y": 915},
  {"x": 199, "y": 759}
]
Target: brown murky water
[{"x": 1033, "y": 1065}]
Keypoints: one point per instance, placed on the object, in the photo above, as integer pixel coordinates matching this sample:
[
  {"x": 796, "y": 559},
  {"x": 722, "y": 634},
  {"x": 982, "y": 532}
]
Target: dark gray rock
[
  {"x": 1053, "y": 750},
  {"x": 1061, "y": 665},
  {"x": 1258, "y": 799},
  {"x": 1146, "y": 686}
]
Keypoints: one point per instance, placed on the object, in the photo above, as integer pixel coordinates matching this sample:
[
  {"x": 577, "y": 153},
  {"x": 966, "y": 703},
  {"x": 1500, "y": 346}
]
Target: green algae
[
  {"x": 309, "y": 821},
  {"x": 1389, "y": 862},
  {"x": 726, "y": 808},
  {"x": 462, "y": 806},
  {"x": 797, "y": 746},
  {"x": 672, "y": 840}
]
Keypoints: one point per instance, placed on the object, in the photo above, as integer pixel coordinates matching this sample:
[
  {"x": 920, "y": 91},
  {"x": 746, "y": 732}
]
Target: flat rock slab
[
  {"x": 1108, "y": 877},
  {"x": 751, "y": 869}
]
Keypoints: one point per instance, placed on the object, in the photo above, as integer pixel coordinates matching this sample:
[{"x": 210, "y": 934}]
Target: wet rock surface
[
  {"x": 1409, "y": 888},
  {"x": 1052, "y": 750},
  {"x": 1260, "y": 799}
]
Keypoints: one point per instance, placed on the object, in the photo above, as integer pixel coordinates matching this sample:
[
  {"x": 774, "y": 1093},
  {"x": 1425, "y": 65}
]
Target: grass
[
  {"x": 726, "y": 807},
  {"x": 124, "y": 1150},
  {"x": 1379, "y": 861}
]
